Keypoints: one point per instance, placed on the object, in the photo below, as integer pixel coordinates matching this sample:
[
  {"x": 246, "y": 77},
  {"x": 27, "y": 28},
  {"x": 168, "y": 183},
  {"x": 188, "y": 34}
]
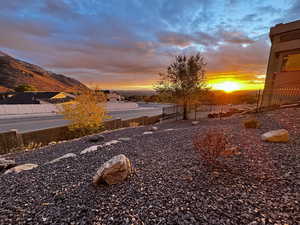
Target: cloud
[
  {"x": 58, "y": 8},
  {"x": 204, "y": 39},
  {"x": 238, "y": 62},
  {"x": 117, "y": 43},
  {"x": 294, "y": 11}
]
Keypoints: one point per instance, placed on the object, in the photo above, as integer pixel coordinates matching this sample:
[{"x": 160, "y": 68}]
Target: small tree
[
  {"x": 86, "y": 113},
  {"x": 184, "y": 81},
  {"x": 25, "y": 87}
]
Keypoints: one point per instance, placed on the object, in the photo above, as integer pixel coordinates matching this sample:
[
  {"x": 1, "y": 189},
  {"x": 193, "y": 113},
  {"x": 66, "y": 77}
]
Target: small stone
[
  {"x": 112, "y": 142},
  {"x": 90, "y": 149},
  {"x": 6, "y": 164},
  {"x": 281, "y": 135},
  {"x": 170, "y": 129},
  {"x": 194, "y": 123},
  {"x": 153, "y": 128},
  {"x": 113, "y": 171},
  {"x": 69, "y": 155},
  {"x": 96, "y": 138},
  {"x": 124, "y": 139},
  {"x": 52, "y": 143},
  {"x": 20, "y": 168}
]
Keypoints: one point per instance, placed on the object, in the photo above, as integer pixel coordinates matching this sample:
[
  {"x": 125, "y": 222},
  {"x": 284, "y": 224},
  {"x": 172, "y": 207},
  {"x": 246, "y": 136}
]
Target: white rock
[
  {"x": 113, "y": 171},
  {"x": 153, "y": 128},
  {"x": 147, "y": 132},
  {"x": 20, "y": 168},
  {"x": 281, "y": 135},
  {"x": 90, "y": 149},
  {"x": 194, "y": 123},
  {"x": 124, "y": 139},
  {"x": 6, "y": 164},
  {"x": 97, "y": 147},
  {"x": 112, "y": 142},
  {"x": 170, "y": 129},
  {"x": 69, "y": 155}
]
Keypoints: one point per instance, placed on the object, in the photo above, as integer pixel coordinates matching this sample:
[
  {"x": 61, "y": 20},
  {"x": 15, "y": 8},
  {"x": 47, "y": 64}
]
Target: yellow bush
[
  {"x": 86, "y": 113},
  {"x": 134, "y": 124}
]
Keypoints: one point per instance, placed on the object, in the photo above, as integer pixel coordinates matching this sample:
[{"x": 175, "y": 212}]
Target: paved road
[{"x": 27, "y": 124}]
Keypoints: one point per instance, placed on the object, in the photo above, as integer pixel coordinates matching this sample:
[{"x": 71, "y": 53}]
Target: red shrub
[{"x": 211, "y": 146}]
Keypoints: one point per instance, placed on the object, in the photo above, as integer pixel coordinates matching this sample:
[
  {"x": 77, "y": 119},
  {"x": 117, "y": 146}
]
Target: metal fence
[
  {"x": 200, "y": 111},
  {"x": 172, "y": 112},
  {"x": 282, "y": 88},
  {"x": 281, "y": 96}
]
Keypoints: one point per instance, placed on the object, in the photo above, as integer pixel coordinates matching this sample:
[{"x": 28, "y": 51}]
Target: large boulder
[
  {"x": 6, "y": 164},
  {"x": 113, "y": 171},
  {"x": 20, "y": 168},
  {"x": 281, "y": 135}
]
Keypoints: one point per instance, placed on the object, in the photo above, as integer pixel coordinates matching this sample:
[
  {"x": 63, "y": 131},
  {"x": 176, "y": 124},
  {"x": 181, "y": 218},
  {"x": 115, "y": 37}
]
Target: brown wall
[
  {"x": 287, "y": 80},
  {"x": 12, "y": 141},
  {"x": 285, "y": 40}
]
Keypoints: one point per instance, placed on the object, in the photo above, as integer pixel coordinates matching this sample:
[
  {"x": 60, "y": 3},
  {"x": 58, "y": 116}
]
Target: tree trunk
[{"x": 185, "y": 111}]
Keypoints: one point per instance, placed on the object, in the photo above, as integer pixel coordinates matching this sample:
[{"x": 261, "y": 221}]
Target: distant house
[
  {"x": 112, "y": 96},
  {"x": 35, "y": 97}
]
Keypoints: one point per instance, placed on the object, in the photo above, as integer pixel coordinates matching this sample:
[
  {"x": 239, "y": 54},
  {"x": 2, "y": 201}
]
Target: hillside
[{"x": 14, "y": 72}]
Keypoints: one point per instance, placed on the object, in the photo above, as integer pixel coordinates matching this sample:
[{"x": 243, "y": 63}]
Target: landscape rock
[
  {"x": 251, "y": 123},
  {"x": 90, "y": 149},
  {"x": 281, "y": 135},
  {"x": 112, "y": 142},
  {"x": 124, "y": 139},
  {"x": 170, "y": 129},
  {"x": 68, "y": 155},
  {"x": 153, "y": 128},
  {"x": 6, "y": 164},
  {"x": 113, "y": 171},
  {"x": 194, "y": 123},
  {"x": 96, "y": 138},
  {"x": 20, "y": 168},
  {"x": 98, "y": 147}
]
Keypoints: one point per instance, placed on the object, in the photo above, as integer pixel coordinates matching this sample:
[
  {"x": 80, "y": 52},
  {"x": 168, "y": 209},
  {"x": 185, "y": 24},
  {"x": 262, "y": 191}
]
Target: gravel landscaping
[{"x": 170, "y": 185}]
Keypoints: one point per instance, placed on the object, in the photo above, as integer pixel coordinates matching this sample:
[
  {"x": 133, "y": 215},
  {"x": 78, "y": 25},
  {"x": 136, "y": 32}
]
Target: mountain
[{"x": 14, "y": 72}]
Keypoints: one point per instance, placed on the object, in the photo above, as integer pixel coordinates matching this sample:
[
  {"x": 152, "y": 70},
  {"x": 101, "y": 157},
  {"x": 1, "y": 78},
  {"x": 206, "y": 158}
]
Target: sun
[{"x": 227, "y": 86}]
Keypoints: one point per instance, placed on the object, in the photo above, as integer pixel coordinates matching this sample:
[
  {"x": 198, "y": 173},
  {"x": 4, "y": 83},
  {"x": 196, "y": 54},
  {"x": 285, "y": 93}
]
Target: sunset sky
[{"x": 124, "y": 44}]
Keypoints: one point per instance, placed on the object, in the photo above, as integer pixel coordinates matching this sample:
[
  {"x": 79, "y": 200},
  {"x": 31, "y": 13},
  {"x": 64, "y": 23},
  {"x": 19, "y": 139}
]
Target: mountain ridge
[{"x": 15, "y": 72}]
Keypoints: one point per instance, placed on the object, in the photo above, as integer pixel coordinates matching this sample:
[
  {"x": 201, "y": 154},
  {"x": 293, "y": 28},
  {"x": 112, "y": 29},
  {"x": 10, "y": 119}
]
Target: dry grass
[{"x": 211, "y": 146}]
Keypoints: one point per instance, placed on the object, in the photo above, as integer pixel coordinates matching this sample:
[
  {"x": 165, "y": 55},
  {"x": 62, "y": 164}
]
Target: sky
[{"x": 124, "y": 44}]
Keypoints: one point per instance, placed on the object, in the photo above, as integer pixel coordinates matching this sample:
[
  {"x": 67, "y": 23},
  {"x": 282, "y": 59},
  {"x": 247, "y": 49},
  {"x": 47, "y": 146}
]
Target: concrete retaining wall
[
  {"x": 51, "y": 108},
  {"x": 27, "y": 109},
  {"x": 13, "y": 141}
]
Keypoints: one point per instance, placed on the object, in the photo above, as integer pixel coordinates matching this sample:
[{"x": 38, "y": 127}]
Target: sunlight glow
[{"x": 227, "y": 86}]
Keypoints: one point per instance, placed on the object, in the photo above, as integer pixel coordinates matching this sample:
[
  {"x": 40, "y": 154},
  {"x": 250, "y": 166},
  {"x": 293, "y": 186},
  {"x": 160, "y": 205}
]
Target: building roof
[
  {"x": 284, "y": 27},
  {"x": 30, "y": 97}
]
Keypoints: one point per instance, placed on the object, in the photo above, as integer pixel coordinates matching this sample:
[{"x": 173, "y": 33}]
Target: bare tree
[{"x": 184, "y": 81}]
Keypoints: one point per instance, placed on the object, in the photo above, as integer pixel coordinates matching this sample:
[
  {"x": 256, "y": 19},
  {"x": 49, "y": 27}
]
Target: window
[{"x": 291, "y": 63}]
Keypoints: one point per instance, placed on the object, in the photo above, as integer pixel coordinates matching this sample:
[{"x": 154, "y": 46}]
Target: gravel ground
[{"x": 171, "y": 185}]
